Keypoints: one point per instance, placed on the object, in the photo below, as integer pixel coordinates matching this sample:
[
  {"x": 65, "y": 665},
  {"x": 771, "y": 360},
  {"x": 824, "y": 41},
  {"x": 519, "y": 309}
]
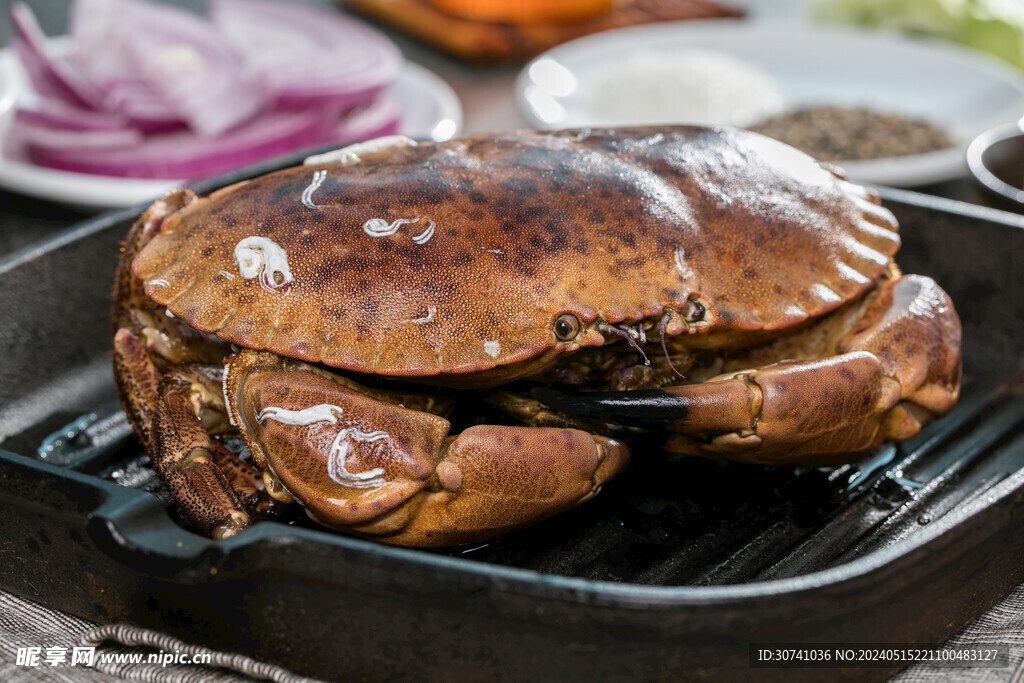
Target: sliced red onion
[
  {"x": 151, "y": 69},
  {"x": 309, "y": 55},
  {"x": 39, "y": 136},
  {"x": 381, "y": 117},
  {"x": 187, "y": 155},
  {"x": 182, "y": 58},
  {"x": 49, "y": 75},
  {"x": 108, "y": 66},
  {"x": 197, "y": 72},
  {"x": 90, "y": 20},
  {"x": 98, "y": 48},
  {"x": 142, "y": 106},
  {"x": 56, "y": 114}
]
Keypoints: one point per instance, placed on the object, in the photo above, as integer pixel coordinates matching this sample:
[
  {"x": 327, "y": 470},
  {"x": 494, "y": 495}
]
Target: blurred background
[{"x": 892, "y": 91}]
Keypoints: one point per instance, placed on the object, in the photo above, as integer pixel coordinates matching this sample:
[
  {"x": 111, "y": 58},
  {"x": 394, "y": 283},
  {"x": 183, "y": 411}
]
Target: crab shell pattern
[{"x": 762, "y": 277}]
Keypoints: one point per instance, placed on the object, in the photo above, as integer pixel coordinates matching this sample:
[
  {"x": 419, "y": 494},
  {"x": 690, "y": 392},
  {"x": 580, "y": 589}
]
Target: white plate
[
  {"x": 430, "y": 111},
  {"x": 963, "y": 91}
]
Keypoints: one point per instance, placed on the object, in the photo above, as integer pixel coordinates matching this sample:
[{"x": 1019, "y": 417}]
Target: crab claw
[
  {"x": 896, "y": 369},
  {"x": 362, "y": 464}
]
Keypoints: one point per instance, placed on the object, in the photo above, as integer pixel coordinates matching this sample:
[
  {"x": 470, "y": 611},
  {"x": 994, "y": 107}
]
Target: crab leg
[
  {"x": 898, "y": 368},
  {"x": 371, "y": 467},
  {"x": 218, "y": 491},
  {"x": 186, "y": 458},
  {"x": 137, "y": 382}
]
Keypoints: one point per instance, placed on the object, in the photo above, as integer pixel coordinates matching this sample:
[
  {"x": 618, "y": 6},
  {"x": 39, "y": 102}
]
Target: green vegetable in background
[{"x": 994, "y": 26}]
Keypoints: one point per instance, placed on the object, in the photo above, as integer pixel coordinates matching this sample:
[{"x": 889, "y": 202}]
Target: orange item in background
[
  {"x": 495, "y": 40},
  {"x": 524, "y": 11}
]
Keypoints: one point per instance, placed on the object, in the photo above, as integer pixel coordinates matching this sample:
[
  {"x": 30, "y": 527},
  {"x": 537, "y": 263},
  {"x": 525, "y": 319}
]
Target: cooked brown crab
[{"x": 713, "y": 283}]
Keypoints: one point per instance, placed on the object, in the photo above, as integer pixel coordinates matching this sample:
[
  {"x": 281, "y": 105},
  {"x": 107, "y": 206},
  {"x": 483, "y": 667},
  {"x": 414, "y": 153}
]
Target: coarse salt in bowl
[{"x": 694, "y": 86}]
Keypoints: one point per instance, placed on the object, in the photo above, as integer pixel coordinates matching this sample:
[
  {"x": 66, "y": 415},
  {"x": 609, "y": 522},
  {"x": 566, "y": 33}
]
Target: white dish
[
  {"x": 431, "y": 111},
  {"x": 963, "y": 91},
  {"x": 8, "y": 80}
]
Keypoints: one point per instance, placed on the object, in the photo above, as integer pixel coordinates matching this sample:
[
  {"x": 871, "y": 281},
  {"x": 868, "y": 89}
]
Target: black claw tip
[{"x": 647, "y": 408}]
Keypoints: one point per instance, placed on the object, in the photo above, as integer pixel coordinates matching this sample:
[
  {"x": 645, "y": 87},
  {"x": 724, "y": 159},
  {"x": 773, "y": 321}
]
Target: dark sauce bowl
[{"x": 996, "y": 161}]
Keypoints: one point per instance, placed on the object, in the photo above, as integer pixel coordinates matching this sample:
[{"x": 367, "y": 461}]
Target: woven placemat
[{"x": 121, "y": 651}]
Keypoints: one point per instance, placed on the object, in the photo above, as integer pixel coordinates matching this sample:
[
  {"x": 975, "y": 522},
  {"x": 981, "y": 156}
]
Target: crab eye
[{"x": 566, "y": 327}]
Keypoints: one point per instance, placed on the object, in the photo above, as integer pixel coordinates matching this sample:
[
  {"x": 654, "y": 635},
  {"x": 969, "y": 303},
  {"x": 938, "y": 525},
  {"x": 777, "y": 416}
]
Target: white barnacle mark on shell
[
  {"x": 431, "y": 310},
  {"x": 226, "y": 274},
  {"x": 493, "y": 251},
  {"x": 682, "y": 267},
  {"x": 336, "y": 468},
  {"x": 338, "y": 472},
  {"x": 353, "y": 153},
  {"x": 492, "y": 349},
  {"x": 322, "y": 412},
  {"x": 160, "y": 282},
  {"x": 425, "y": 236},
  {"x": 168, "y": 313},
  {"x": 263, "y": 258},
  {"x": 314, "y": 185},
  {"x": 378, "y": 227}
]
